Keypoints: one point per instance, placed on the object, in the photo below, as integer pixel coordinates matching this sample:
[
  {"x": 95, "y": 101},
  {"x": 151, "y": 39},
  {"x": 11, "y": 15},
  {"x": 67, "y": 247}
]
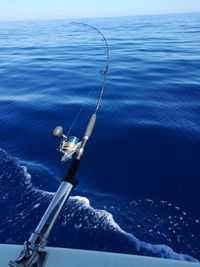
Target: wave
[
  {"x": 105, "y": 220},
  {"x": 79, "y": 226}
]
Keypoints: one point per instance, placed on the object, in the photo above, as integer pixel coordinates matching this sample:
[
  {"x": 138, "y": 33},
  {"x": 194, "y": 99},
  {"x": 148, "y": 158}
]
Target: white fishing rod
[{"x": 34, "y": 254}]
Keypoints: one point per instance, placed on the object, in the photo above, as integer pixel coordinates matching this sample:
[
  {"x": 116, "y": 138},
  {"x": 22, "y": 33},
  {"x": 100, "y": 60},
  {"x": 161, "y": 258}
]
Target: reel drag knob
[{"x": 58, "y": 131}]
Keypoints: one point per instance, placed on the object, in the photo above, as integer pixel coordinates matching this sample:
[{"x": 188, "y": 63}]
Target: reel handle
[{"x": 58, "y": 131}]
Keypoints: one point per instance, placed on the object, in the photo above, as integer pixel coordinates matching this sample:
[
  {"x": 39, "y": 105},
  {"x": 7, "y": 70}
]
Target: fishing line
[{"x": 78, "y": 114}]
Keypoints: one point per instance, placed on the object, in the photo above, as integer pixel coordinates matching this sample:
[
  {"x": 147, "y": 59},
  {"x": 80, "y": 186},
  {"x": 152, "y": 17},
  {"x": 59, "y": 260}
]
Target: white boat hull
[{"x": 62, "y": 257}]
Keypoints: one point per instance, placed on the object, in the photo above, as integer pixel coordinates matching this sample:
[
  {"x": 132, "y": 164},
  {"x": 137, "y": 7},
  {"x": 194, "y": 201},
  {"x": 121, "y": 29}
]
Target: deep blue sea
[{"x": 139, "y": 180}]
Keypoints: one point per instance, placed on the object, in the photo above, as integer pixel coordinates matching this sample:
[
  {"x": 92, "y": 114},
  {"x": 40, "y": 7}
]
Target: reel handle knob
[{"x": 58, "y": 131}]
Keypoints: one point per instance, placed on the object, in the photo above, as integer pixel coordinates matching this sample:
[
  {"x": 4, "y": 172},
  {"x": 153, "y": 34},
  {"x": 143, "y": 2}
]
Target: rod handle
[{"x": 90, "y": 126}]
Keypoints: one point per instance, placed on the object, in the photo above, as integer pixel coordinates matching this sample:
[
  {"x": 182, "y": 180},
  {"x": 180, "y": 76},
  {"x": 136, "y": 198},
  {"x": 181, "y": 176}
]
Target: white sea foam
[
  {"x": 161, "y": 250},
  {"x": 28, "y": 181}
]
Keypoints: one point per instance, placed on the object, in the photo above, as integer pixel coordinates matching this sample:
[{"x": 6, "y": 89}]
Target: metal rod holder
[{"x": 33, "y": 254}]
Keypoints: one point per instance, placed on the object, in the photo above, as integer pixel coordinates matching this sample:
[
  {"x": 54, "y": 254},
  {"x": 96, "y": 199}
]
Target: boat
[{"x": 62, "y": 257}]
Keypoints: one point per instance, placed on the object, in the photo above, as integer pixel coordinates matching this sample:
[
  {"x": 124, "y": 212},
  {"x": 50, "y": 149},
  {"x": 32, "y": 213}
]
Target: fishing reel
[{"x": 69, "y": 146}]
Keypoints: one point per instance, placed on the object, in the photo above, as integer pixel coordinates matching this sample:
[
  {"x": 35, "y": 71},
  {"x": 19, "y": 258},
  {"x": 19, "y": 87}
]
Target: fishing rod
[
  {"x": 33, "y": 253},
  {"x": 72, "y": 145}
]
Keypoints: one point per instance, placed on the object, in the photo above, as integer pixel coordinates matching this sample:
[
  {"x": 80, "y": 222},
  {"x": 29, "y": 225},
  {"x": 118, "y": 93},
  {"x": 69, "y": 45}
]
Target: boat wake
[{"x": 80, "y": 225}]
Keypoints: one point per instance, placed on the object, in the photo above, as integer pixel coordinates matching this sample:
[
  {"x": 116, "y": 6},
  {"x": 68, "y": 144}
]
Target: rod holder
[{"x": 33, "y": 254}]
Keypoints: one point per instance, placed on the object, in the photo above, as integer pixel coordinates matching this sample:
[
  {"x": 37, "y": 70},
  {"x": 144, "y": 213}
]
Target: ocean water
[{"x": 138, "y": 190}]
